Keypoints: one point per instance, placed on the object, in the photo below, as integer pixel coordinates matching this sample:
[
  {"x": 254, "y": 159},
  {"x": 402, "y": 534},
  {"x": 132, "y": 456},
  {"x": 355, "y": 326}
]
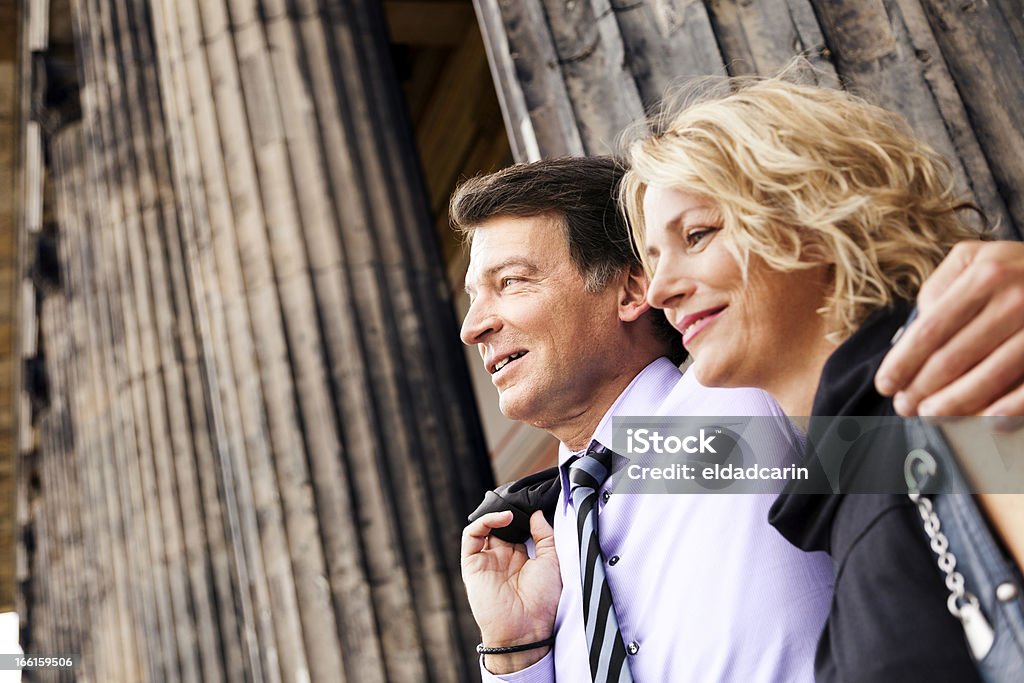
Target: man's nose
[{"x": 480, "y": 321}]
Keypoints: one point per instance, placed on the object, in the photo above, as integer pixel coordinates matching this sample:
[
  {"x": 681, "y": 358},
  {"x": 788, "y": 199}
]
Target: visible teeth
[{"x": 508, "y": 360}]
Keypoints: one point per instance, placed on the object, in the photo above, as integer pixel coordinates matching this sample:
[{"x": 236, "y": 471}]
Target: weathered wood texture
[
  {"x": 248, "y": 441},
  {"x": 572, "y": 74},
  {"x": 260, "y": 442},
  {"x": 10, "y": 294}
]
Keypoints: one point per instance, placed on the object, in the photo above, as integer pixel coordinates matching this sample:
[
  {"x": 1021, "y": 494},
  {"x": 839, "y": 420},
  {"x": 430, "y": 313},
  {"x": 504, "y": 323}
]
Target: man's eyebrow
[
  {"x": 528, "y": 266},
  {"x": 518, "y": 261}
]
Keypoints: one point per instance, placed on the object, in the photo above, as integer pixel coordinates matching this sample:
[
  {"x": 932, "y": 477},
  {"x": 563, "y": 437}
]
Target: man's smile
[{"x": 500, "y": 361}]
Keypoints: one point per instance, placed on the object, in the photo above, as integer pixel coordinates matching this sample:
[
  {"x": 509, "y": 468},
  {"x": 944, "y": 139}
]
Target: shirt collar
[{"x": 643, "y": 396}]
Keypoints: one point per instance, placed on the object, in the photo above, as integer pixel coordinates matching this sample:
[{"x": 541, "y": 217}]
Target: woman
[{"x": 787, "y": 228}]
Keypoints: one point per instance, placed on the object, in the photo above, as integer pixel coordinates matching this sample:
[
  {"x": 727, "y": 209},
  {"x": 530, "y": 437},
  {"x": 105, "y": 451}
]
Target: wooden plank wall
[
  {"x": 572, "y": 75},
  {"x": 261, "y": 443}
]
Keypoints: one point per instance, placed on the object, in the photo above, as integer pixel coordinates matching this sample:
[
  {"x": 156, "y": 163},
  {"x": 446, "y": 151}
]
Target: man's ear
[{"x": 633, "y": 294}]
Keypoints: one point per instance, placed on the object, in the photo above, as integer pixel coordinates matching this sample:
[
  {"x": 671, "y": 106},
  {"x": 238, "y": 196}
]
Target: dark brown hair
[{"x": 580, "y": 195}]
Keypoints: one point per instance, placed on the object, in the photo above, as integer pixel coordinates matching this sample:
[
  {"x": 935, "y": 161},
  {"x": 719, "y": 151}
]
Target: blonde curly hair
[{"x": 804, "y": 176}]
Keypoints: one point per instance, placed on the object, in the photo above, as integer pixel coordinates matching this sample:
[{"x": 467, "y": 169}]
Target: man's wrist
[
  {"x": 516, "y": 661},
  {"x": 509, "y": 634},
  {"x": 511, "y": 649}
]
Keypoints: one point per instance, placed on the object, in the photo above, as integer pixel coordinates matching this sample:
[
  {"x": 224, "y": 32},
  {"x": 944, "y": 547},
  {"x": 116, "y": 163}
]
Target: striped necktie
[{"x": 607, "y": 651}]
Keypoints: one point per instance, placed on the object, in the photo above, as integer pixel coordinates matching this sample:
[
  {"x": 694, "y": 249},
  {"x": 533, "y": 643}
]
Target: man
[
  {"x": 703, "y": 588},
  {"x": 962, "y": 356}
]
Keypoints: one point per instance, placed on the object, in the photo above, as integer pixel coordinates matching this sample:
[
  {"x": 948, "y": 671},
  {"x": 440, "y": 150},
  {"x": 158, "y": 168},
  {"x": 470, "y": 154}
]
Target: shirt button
[
  {"x": 613, "y": 560},
  {"x": 606, "y": 496},
  {"x": 633, "y": 648},
  {"x": 1006, "y": 592}
]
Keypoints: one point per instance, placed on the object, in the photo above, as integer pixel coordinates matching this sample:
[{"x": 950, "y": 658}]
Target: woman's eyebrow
[{"x": 701, "y": 212}]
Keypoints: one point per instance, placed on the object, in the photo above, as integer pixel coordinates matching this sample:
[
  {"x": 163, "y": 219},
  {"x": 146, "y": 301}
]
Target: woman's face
[{"x": 755, "y": 333}]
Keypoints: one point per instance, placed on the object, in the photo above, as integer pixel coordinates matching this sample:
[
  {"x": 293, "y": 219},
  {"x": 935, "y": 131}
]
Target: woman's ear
[{"x": 633, "y": 294}]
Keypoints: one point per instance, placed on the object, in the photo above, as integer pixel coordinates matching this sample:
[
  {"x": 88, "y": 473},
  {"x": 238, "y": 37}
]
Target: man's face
[{"x": 547, "y": 342}]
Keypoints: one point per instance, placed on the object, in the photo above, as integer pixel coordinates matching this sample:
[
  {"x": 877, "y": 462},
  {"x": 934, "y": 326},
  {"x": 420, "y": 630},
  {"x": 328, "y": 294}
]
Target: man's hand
[
  {"x": 964, "y": 354},
  {"x": 514, "y": 598}
]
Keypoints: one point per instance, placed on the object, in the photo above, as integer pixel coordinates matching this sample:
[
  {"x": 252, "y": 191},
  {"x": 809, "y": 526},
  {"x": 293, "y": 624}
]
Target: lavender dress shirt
[{"x": 702, "y": 585}]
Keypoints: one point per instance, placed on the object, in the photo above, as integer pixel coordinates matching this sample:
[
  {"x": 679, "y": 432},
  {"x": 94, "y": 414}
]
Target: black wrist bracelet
[{"x": 484, "y": 650}]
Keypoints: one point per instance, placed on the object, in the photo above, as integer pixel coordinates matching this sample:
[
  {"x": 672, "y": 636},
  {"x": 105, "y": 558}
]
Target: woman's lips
[{"x": 692, "y": 324}]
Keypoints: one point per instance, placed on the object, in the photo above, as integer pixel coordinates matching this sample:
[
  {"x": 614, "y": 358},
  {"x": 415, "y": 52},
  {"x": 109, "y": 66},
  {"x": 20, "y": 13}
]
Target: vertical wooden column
[
  {"x": 263, "y": 430},
  {"x": 154, "y": 555},
  {"x": 116, "y": 567},
  {"x": 10, "y": 292},
  {"x": 330, "y": 210},
  {"x": 253, "y": 501}
]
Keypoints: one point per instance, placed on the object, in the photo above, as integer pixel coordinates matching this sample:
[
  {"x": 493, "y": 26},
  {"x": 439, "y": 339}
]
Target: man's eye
[{"x": 509, "y": 281}]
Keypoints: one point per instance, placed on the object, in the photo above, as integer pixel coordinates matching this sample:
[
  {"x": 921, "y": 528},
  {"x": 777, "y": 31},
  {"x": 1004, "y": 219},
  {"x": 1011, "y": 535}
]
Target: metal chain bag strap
[{"x": 984, "y": 586}]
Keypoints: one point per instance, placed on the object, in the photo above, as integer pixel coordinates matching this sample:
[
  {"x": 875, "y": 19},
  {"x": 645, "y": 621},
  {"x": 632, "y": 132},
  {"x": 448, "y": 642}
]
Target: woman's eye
[{"x": 697, "y": 235}]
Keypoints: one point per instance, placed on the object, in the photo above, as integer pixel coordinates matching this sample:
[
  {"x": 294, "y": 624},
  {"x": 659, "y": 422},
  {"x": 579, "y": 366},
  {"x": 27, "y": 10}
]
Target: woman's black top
[{"x": 888, "y": 620}]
